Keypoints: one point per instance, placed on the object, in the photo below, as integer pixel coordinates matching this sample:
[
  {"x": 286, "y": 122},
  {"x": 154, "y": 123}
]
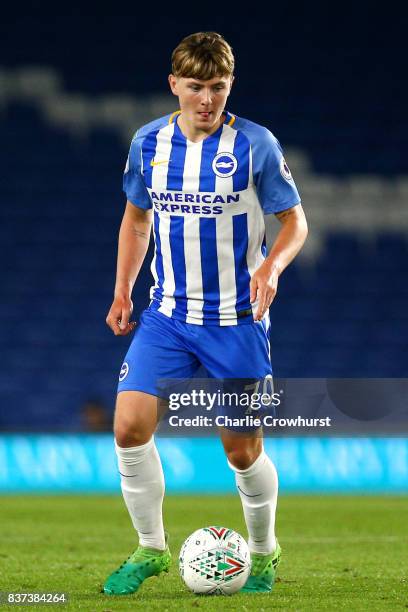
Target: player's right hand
[{"x": 119, "y": 315}]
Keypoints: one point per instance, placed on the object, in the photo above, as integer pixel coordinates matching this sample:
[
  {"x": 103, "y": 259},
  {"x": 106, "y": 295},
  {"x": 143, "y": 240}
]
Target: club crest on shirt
[
  {"x": 224, "y": 164},
  {"x": 284, "y": 170},
  {"x": 124, "y": 370}
]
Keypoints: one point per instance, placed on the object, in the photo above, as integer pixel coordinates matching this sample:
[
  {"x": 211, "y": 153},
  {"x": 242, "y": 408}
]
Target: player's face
[{"x": 201, "y": 102}]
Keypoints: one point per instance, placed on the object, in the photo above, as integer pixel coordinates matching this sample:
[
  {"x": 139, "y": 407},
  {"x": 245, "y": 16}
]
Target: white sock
[
  {"x": 258, "y": 490},
  {"x": 142, "y": 483}
]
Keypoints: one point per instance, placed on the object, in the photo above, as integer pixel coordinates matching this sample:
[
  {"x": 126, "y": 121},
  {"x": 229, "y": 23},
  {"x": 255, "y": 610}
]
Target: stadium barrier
[{"x": 86, "y": 463}]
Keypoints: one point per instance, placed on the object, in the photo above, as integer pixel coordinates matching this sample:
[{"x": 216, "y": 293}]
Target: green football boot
[
  {"x": 142, "y": 564},
  {"x": 263, "y": 572}
]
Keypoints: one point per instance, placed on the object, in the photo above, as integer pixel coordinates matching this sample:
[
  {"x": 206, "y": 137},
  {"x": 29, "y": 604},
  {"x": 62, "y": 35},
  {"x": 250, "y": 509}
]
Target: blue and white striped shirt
[{"x": 208, "y": 198}]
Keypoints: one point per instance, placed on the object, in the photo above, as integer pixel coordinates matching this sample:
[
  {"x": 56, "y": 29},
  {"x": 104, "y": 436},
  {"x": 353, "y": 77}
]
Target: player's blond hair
[{"x": 203, "y": 56}]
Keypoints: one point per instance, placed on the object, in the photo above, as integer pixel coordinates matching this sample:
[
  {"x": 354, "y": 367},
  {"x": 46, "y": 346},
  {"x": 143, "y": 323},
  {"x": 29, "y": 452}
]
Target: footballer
[{"x": 203, "y": 178}]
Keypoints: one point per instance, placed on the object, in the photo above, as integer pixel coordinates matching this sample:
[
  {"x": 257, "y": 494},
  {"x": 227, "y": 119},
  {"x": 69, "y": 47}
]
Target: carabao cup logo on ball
[{"x": 224, "y": 164}]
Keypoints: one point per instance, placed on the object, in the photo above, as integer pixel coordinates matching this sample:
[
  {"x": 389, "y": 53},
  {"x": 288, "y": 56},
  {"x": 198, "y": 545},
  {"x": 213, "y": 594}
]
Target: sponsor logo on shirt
[{"x": 191, "y": 203}]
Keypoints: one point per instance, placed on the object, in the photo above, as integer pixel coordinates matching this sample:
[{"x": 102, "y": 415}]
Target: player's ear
[
  {"x": 173, "y": 84},
  {"x": 232, "y": 80}
]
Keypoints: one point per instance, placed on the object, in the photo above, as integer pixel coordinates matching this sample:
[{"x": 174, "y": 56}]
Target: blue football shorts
[{"x": 165, "y": 349}]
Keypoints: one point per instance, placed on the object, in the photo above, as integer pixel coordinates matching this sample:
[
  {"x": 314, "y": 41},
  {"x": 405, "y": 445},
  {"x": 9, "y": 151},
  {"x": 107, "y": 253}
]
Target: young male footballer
[{"x": 204, "y": 178}]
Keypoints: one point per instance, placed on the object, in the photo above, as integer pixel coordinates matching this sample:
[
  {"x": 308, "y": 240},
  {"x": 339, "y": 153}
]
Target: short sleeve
[
  {"x": 273, "y": 180},
  {"x": 133, "y": 183}
]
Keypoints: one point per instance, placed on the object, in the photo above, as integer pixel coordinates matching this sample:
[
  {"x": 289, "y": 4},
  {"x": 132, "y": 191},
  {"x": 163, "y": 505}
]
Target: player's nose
[{"x": 206, "y": 97}]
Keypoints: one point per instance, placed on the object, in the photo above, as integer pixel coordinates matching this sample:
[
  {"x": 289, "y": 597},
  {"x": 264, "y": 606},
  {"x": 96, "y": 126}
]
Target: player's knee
[
  {"x": 127, "y": 436},
  {"x": 135, "y": 422},
  {"x": 242, "y": 458}
]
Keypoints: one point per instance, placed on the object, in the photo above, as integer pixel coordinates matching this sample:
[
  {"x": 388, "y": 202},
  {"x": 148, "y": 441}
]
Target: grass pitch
[{"x": 339, "y": 553}]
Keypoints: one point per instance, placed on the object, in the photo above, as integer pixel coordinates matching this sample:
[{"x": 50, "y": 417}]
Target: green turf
[{"x": 339, "y": 553}]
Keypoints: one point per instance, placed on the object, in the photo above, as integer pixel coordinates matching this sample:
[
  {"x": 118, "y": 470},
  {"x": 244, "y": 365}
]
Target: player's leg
[
  {"x": 257, "y": 484},
  {"x": 241, "y": 450},
  {"x": 155, "y": 354},
  {"x": 142, "y": 484},
  {"x": 140, "y": 469},
  {"x": 255, "y": 474}
]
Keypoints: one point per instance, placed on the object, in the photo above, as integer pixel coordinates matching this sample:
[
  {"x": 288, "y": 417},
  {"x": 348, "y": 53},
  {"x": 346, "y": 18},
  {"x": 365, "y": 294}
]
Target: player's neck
[{"x": 196, "y": 134}]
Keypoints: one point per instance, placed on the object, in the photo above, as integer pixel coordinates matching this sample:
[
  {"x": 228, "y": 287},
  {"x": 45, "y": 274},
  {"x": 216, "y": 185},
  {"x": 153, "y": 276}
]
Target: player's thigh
[
  {"x": 136, "y": 417},
  {"x": 156, "y": 356}
]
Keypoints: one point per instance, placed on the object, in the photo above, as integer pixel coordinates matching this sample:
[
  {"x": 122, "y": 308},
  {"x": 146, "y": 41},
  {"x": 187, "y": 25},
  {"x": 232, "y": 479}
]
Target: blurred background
[{"x": 73, "y": 90}]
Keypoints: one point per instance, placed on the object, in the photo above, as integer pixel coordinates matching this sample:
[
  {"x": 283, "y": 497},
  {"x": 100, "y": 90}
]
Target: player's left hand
[{"x": 263, "y": 287}]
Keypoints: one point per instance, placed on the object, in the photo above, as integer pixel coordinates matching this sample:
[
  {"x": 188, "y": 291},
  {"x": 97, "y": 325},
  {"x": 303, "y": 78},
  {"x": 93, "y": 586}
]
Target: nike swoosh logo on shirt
[{"x": 157, "y": 163}]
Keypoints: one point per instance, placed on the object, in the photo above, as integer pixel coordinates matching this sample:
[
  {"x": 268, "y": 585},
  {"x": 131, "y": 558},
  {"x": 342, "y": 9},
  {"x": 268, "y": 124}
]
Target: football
[{"x": 214, "y": 561}]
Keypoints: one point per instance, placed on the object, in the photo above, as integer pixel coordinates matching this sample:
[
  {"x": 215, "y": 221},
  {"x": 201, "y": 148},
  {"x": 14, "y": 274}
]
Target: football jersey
[{"x": 208, "y": 199}]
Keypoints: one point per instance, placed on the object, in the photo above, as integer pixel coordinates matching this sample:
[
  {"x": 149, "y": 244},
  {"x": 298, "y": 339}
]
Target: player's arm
[
  {"x": 134, "y": 236},
  {"x": 289, "y": 241}
]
